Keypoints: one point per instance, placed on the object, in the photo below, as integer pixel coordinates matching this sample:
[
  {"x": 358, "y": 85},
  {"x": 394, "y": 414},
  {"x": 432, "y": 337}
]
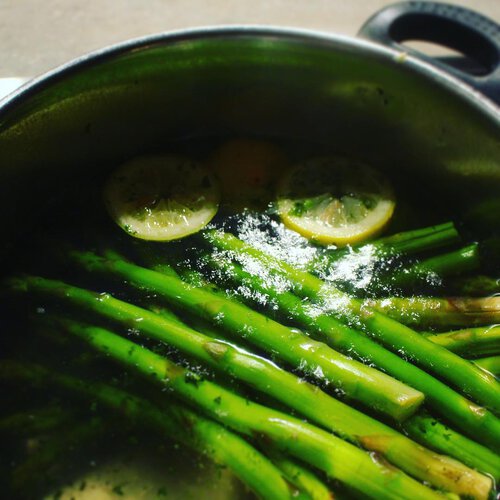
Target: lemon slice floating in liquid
[
  {"x": 161, "y": 198},
  {"x": 335, "y": 200}
]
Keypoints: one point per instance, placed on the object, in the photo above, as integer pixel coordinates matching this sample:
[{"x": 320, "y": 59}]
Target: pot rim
[{"x": 316, "y": 37}]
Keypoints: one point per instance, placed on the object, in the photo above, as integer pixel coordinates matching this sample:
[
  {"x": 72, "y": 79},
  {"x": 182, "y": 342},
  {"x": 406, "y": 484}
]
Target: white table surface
[{"x": 37, "y": 35}]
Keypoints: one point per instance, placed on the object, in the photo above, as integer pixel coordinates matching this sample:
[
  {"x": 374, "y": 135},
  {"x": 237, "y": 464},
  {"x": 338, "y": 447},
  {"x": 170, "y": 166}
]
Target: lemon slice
[
  {"x": 161, "y": 198},
  {"x": 335, "y": 200}
]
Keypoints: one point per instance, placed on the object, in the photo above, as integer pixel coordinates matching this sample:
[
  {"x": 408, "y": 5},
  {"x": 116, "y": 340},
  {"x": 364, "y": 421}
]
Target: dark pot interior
[
  {"x": 354, "y": 97},
  {"x": 359, "y": 98}
]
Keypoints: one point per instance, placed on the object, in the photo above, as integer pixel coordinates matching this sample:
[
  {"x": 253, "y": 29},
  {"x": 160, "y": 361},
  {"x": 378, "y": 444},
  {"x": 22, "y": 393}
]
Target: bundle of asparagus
[{"x": 355, "y": 400}]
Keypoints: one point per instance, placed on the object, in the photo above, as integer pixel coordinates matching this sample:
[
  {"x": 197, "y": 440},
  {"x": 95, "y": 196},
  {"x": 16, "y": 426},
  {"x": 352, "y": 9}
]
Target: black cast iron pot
[
  {"x": 419, "y": 117},
  {"x": 385, "y": 104}
]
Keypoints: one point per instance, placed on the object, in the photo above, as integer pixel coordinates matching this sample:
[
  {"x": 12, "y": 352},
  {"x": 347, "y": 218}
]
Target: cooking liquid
[{"x": 129, "y": 461}]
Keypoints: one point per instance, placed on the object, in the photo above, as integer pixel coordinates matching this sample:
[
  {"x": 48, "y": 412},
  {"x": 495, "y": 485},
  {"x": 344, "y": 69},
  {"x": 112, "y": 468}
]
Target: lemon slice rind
[
  {"x": 330, "y": 217},
  {"x": 161, "y": 198}
]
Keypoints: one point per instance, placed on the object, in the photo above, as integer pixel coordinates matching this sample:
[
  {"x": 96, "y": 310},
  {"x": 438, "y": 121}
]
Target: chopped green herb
[{"x": 118, "y": 489}]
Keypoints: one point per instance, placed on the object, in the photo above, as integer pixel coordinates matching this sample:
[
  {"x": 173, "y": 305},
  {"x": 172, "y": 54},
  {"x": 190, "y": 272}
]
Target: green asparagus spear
[
  {"x": 396, "y": 336},
  {"x": 449, "y": 312},
  {"x": 32, "y": 422},
  {"x": 337, "y": 458},
  {"x": 360, "y": 259},
  {"x": 356, "y": 380},
  {"x": 296, "y": 393},
  {"x": 172, "y": 421},
  {"x": 354, "y": 426},
  {"x": 302, "y": 478},
  {"x": 422, "y": 239},
  {"x": 472, "y": 454},
  {"x": 320, "y": 408},
  {"x": 490, "y": 364},
  {"x": 37, "y": 470},
  {"x": 476, "y": 286},
  {"x": 471, "y": 342},
  {"x": 445, "y": 401},
  {"x": 440, "y": 266},
  {"x": 436, "y": 436},
  {"x": 407, "y": 242}
]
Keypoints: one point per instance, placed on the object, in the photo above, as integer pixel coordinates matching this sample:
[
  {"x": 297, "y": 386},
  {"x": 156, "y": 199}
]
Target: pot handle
[{"x": 458, "y": 28}]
